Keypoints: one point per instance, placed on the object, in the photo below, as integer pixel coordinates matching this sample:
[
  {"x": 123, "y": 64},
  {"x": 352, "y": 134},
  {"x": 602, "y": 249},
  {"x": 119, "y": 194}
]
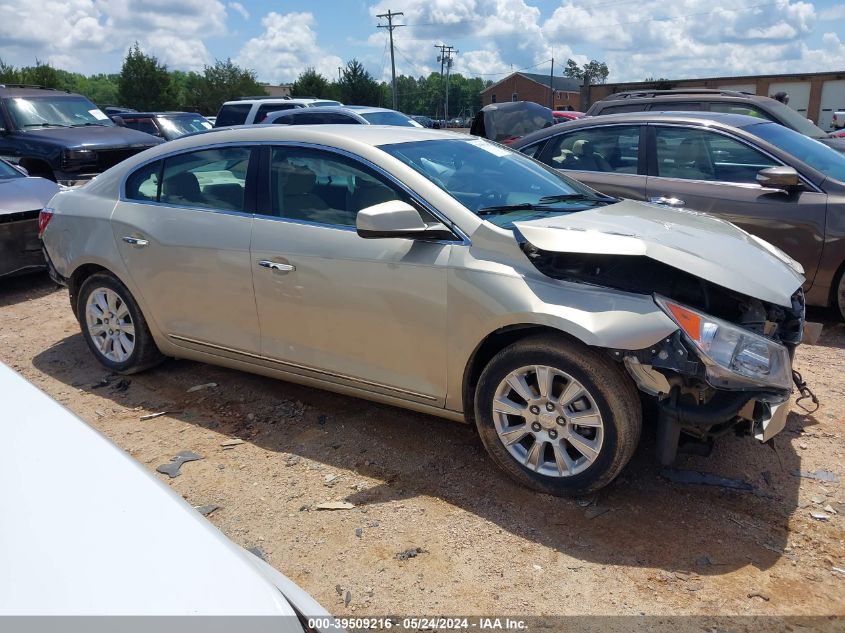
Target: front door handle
[
  {"x": 282, "y": 268},
  {"x": 136, "y": 241},
  {"x": 669, "y": 202}
]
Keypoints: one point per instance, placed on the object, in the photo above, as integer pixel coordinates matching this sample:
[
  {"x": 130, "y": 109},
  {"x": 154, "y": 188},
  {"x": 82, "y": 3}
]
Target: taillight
[{"x": 44, "y": 219}]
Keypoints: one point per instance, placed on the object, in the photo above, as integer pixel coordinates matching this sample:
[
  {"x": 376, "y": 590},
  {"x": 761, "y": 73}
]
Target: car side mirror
[
  {"x": 23, "y": 170},
  {"x": 398, "y": 219},
  {"x": 779, "y": 177}
]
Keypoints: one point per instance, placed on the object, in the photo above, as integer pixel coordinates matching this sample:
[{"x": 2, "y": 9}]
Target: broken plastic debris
[
  {"x": 820, "y": 475},
  {"x": 207, "y": 385},
  {"x": 819, "y": 516},
  {"x": 231, "y": 443},
  {"x": 172, "y": 469},
  {"x": 335, "y": 505},
  {"x": 704, "y": 479},
  {"x": 153, "y": 416},
  {"x": 207, "y": 509}
]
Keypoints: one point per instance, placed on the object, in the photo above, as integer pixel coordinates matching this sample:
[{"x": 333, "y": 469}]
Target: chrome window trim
[
  {"x": 740, "y": 140},
  {"x": 461, "y": 237}
]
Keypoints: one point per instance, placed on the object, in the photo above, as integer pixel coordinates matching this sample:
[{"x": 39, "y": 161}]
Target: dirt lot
[{"x": 487, "y": 546}]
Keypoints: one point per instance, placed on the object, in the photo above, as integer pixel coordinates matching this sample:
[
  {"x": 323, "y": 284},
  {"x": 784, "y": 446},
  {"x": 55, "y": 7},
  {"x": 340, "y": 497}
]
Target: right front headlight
[{"x": 734, "y": 357}]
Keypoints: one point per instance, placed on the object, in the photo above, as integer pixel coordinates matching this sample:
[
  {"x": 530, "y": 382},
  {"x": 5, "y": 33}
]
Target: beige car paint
[{"x": 391, "y": 320}]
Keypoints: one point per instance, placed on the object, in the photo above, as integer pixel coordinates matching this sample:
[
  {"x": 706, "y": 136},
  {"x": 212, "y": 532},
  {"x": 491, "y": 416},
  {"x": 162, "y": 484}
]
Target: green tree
[
  {"x": 310, "y": 83},
  {"x": 8, "y": 73},
  {"x": 144, "y": 83},
  {"x": 593, "y": 72},
  {"x": 357, "y": 86},
  {"x": 221, "y": 82}
]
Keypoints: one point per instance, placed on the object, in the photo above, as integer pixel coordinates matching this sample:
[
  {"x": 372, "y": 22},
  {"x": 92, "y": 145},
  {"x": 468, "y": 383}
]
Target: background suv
[
  {"x": 167, "y": 125},
  {"x": 703, "y": 100},
  {"x": 255, "y": 109},
  {"x": 350, "y": 115},
  {"x": 62, "y": 136}
]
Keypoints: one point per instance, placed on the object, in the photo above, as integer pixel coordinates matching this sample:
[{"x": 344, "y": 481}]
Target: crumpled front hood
[
  {"x": 694, "y": 242},
  {"x": 25, "y": 194}
]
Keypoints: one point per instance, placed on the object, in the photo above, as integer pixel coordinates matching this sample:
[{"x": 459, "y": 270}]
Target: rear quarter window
[{"x": 233, "y": 114}]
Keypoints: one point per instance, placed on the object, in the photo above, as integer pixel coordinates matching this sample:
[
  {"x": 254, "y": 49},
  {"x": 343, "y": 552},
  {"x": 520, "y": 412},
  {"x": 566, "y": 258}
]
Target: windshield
[
  {"x": 389, "y": 118},
  {"x": 495, "y": 182},
  {"x": 817, "y": 155},
  {"x": 7, "y": 171},
  {"x": 796, "y": 121},
  {"x": 176, "y": 126},
  {"x": 53, "y": 111}
]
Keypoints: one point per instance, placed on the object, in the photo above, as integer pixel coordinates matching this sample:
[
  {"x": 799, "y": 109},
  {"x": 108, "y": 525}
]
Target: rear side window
[
  {"x": 207, "y": 179},
  {"x": 309, "y": 118},
  {"x": 142, "y": 184},
  {"x": 142, "y": 125},
  {"x": 267, "y": 108},
  {"x": 740, "y": 108},
  {"x": 617, "y": 109},
  {"x": 232, "y": 114},
  {"x": 676, "y": 106}
]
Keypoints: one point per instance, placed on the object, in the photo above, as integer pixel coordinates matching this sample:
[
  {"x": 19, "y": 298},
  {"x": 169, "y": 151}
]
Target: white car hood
[
  {"x": 694, "y": 242},
  {"x": 86, "y": 530}
]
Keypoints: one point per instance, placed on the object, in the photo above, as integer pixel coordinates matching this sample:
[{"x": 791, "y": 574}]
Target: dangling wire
[{"x": 805, "y": 392}]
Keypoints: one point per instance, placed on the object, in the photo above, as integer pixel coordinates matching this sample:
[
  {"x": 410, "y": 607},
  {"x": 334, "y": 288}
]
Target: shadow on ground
[
  {"x": 651, "y": 521},
  {"x": 25, "y": 288}
]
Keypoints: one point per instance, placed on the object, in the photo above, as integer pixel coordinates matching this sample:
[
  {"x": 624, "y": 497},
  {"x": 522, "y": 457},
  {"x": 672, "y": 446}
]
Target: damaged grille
[
  {"x": 643, "y": 275},
  {"x": 19, "y": 216}
]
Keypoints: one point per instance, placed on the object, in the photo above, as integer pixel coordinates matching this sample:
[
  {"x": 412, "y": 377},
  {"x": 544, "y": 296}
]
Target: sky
[{"x": 636, "y": 38}]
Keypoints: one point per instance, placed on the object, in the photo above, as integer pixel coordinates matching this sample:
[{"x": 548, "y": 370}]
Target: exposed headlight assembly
[{"x": 734, "y": 357}]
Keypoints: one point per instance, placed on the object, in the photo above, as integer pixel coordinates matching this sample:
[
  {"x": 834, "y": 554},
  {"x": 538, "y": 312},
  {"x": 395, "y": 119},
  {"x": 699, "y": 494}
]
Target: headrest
[
  {"x": 582, "y": 147},
  {"x": 184, "y": 185},
  {"x": 296, "y": 180}
]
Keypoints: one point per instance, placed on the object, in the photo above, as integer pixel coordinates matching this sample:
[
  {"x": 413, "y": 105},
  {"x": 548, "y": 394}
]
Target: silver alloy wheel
[
  {"x": 840, "y": 294},
  {"x": 110, "y": 324},
  {"x": 548, "y": 421}
]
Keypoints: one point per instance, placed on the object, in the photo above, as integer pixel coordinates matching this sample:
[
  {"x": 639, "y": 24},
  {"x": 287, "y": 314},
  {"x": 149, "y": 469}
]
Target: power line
[{"x": 390, "y": 26}]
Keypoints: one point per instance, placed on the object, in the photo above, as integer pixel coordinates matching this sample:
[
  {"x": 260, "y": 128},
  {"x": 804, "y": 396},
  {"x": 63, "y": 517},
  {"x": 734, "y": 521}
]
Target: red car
[{"x": 561, "y": 116}]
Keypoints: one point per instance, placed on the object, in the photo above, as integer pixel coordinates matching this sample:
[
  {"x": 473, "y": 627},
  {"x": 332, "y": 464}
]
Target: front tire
[
  {"x": 557, "y": 416},
  {"x": 114, "y": 327},
  {"x": 839, "y": 295}
]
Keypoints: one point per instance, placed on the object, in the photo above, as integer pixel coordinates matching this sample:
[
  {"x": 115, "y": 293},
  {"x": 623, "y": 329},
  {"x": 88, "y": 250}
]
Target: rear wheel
[
  {"x": 114, "y": 327},
  {"x": 557, "y": 416},
  {"x": 839, "y": 295}
]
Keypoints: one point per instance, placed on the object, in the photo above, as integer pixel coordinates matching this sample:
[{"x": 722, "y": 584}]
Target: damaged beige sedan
[{"x": 441, "y": 273}]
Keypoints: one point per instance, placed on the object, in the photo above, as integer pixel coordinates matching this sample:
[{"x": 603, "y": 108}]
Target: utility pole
[
  {"x": 445, "y": 59},
  {"x": 390, "y": 26},
  {"x": 552, "y": 85},
  {"x": 339, "y": 70}
]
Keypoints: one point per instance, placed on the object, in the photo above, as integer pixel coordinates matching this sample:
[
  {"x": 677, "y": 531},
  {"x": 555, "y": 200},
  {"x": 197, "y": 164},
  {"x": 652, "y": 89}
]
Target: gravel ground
[{"x": 474, "y": 543}]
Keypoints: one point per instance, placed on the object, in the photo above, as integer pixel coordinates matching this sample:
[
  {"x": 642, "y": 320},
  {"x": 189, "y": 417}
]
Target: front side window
[
  {"x": 176, "y": 126},
  {"x": 739, "y": 108},
  {"x": 611, "y": 149},
  {"x": 676, "y": 106},
  {"x": 30, "y": 113},
  {"x": 820, "y": 157},
  {"x": 315, "y": 186},
  {"x": 209, "y": 178},
  {"x": 142, "y": 125},
  {"x": 696, "y": 154}
]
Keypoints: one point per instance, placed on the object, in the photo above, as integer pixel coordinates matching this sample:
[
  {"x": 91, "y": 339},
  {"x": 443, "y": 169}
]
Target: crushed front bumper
[{"x": 20, "y": 249}]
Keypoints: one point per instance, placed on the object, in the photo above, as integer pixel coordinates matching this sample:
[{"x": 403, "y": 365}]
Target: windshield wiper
[
  {"x": 566, "y": 197},
  {"x": 45, "y": 125},
  {"x": 543, "y": 203},
  {"x": 89, "y": 123}
]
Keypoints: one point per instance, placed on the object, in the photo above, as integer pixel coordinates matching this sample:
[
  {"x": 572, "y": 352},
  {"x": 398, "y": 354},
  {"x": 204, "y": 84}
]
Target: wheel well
[
  {"x": 486, "y": 350},
  {"x": 38, "y": 167},
  {"x": 76, "y": 280},
  {"x": 834, "y": 287}
]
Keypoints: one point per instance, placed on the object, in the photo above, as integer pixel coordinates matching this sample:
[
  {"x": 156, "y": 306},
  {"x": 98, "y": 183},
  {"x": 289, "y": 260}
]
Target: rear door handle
[
  {"x": 669, "y": 202},
  {"x": 283, "y": 268},
  {"x": 135, "y": 241}
]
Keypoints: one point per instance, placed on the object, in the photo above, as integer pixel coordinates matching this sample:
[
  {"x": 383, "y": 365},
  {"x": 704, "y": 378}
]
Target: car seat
[
  {"x": 181, "y": 188},
  {"x": 691, "y": 161},
  {"x": 587, "y": 159}
]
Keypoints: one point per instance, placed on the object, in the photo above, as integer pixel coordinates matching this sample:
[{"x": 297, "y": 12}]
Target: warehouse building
[{"x": 521, "y": 86}]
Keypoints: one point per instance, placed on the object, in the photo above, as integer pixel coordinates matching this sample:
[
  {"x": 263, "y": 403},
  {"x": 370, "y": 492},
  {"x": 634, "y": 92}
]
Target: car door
[
  {"x": 364, "y": 313},
  {"x": 605, "y": 157},
  {"x": 712, "y": 171},
  {"x": 183, "y": 231}
]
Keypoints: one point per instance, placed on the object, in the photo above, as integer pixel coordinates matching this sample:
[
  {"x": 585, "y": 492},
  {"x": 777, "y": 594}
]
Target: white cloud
[
  {"x": 87, "y": 35},
  {"x": 287, "y": 46},
  {"x": 239, "y": 8}
]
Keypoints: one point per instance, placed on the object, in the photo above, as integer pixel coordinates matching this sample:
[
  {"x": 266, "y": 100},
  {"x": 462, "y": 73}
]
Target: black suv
[
  {"x": 704, "y": 100},
  {"x": 62, "y": 136}
]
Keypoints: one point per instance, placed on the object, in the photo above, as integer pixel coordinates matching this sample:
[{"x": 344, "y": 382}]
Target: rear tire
[
  {"x": 114, "y": 327},
  {"x": 839, "y": 295},
  {"x": 570, "y": 437}
]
